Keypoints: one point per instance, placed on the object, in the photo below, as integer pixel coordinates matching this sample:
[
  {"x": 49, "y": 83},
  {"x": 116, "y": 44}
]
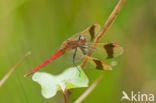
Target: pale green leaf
[{"x": 71, "y": 78}]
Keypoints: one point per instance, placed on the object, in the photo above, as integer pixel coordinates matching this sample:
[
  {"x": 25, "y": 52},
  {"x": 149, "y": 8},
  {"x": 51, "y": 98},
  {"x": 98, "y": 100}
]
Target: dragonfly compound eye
[{"x": 83, "y": 40}]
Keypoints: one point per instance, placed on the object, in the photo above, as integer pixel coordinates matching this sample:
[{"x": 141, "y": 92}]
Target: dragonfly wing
[
  {"x": 100, "y": 65},
  {"x": 65, "y": 57},
  {"x": 90, "y": 32},
  {"x": 79, "y": 57},
  {"x": 108, "y": 50},
  {"x": 68, "y": 60}
]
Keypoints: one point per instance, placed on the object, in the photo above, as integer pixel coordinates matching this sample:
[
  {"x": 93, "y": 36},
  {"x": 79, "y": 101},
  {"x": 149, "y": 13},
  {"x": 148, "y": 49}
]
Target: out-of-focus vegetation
[{"x": 40, "y": 26}]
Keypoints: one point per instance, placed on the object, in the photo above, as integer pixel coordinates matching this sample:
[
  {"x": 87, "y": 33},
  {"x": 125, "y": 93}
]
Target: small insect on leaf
[{"x": 73, "y": 77}]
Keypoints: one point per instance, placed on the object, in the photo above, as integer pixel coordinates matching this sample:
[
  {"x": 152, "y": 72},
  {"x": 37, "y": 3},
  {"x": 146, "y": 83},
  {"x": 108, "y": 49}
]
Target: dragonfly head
[{"x": 82, "y": 40}]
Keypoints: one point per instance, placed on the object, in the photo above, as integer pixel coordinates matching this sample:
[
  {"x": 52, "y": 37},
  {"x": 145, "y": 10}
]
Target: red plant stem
[{"x": 65, "y": 96}]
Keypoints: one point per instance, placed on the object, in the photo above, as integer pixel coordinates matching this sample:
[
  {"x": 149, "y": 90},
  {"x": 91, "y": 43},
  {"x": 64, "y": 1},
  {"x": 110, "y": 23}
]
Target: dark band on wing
[
  {"x": 92, "y": 32},
  {"x": 109, "y": 50},
  {"x": 98, "y": 64}
]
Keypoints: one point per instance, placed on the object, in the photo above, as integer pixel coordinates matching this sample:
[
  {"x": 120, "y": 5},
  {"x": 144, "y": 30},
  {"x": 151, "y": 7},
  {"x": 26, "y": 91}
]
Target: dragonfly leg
[
  {"x": 85, "y": 46},
  {"x": 74, "y": 60},
  {"x": 74, "y": 56},
  {"x": 89, "y": 46},
  {"x": 83, "y": 50}
]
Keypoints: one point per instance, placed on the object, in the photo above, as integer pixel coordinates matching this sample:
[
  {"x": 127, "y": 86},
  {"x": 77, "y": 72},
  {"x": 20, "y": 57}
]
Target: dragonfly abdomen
[{"x": 56, "y": 55}]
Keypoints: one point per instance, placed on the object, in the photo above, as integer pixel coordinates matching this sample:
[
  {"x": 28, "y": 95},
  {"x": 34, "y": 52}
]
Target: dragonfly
[{"x": 81, "y": 43}]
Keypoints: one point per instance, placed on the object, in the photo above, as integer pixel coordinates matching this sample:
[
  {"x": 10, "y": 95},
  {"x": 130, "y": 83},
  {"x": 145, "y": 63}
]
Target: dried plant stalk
[
  {"x": 13, "y": 69},
  {"x": 107, "y": 25}
]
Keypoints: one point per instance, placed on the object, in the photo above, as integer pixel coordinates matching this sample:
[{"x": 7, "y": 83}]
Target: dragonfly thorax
[
  {"x": 70, "y": 44},
  {"x": 82, "y": 40},
  {"x": 74, "y": 43}
]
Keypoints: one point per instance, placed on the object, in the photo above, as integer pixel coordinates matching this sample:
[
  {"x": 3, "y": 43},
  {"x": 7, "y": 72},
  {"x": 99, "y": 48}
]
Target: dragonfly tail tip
[
  {"x": 95, "y": 24},
  {"x": 27, "y": 74}
]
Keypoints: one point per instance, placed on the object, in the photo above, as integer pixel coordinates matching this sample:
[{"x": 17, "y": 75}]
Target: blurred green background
[{"x": 40, "y": 26}]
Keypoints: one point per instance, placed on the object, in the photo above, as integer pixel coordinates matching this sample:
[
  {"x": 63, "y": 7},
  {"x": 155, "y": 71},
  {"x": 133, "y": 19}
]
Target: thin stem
[
  {"x": 65, "y": 96},
  {"x": 13, "y": 69},
  {"x": 107, "y": 25},
  {"x": 90, "y": 89}
]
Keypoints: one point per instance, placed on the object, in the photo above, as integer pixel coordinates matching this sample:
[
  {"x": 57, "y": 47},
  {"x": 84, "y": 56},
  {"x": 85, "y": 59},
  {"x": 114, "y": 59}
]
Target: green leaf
[{"x": 71, "y": 78}]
